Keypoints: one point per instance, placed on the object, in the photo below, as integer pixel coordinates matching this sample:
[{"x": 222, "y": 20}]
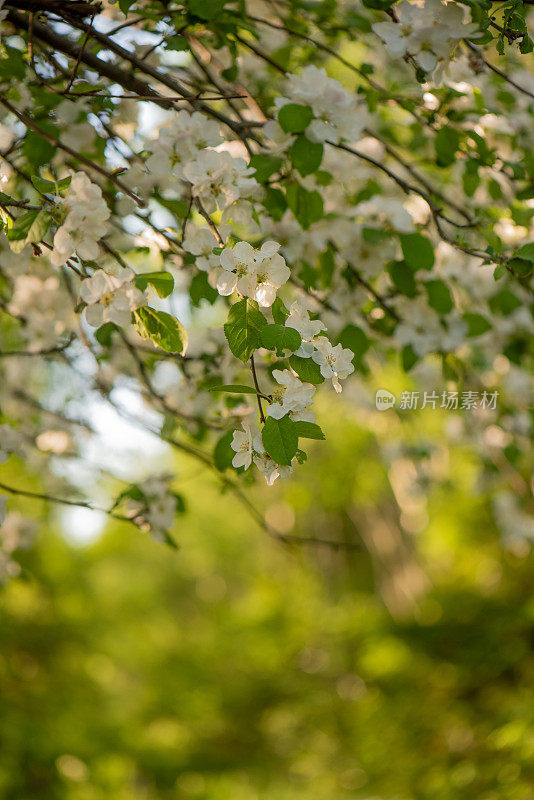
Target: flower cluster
[
  {"x": 335, "y": 362},
  {"x": 248, "y": 446},
  {"x": 184, "y": 151},
  {"x": 152, "y": 505},
  {"x": 366, "y": 210},
  {"x": 218, "y": 179},
  {"x": 51, "y": 313},
  {"x": 201, "y": 242},
  {"x": 429, "y": 33},
  {"x": 292, "y": 397},
  {"x": 253, "y": 273},
  {"x": 180, "y": 142},
  {"x": 111, "y": 297},
  {"x": 85, "y": 222},
  {"x": 336, "y": 114}
]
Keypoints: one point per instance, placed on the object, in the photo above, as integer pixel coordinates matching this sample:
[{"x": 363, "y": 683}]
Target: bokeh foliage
[{"x": 238, "y": 668}]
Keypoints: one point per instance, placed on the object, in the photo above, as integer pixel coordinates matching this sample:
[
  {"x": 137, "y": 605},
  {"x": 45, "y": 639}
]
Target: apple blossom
[
  {"x": 334, "y": 362},
  {"x": 293, "y": 398},
  {"x": 110, "y": 298}
]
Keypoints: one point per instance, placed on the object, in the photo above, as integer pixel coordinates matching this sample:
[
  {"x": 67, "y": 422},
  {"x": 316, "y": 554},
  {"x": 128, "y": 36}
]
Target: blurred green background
[{"x": 239, "y": 668}]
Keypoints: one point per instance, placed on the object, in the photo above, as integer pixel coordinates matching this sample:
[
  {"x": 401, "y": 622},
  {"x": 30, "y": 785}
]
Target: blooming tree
[{"x": 321, "y": 188}]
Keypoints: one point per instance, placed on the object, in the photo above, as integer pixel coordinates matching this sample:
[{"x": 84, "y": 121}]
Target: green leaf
[
  {"x": 477, "y": 324},
  {"x": 409, "y": 357},
  {"x": 162, "y": 329},
  {"x": 327, "y": 266},
  {"x": 279, "y": 338},
  {"x": 402, "y": 277},
  {"x": 307, "y": 370},
  {"x": 309, "y": 276},
  {"x": 236, "y": 388},
  {"x": 309, "y": 430},
  {"x": 499, "y": 272},
  {"x": 471, "y": 178},
  {"x": 294, "y": 118},
  {"x": 504, "y": 302},
  {"x": 243, "y": 328},
  {"x": 306, "y": 206},
  {"x": 275, "y": 202},
  {"x": 163, "y": 282},
  {"x": 230, "y": 73},
  {"x": 279, "y": 312},
  {"x": 29, "y": 227},
  {"x": 104, "y": 333},
  {"x": 306, "y": 156},
  {"x": 526, "y": 45},
  {"x": 378, "y": 5},
  {"x": 446, "y": 144},
  {"x": 206, "y": 9},
  {"x": 125, "y": 6},
  {"x": 375, "y": 235},
  {"x": 417, "y": 250},
  {"x": 199, "y": 289},
  {"x": 439, "y": 296},
  {"x": 520, "y": 267},
  {"x": 176, "y": 43},
  {"x": 50, "y": 187},
  {"x": 177, "y": 207},
  {"x": 265, "y": 166},
  {"x": 354, "y": 339},
  {"x": 21, "y": 226},
  {"x": 280, "y": 439},
  {"x": 36, "y": 149},
  {"x": 12, "y": 63},
  {"x": 223, "y": 453},
  {"x": 526, "y": 252}
]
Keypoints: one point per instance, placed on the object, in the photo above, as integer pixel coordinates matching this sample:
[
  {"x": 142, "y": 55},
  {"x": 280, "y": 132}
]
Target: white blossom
[
  {"x": 152, "y": 505},
  {"x": 238, "y": 264},
  {"x": 218, "y": 179},
  {"x": 254, "y": 273},
  {"x": 265, "y": 464},
  {"x": 111, "y": 298},
  {"x": 243, "y": 445},
  {"x": 6, "y": 135},
  {"x": 292, "y": 398},
  {"x": 280, "y": 141},
  {"x": 84, "y": 225},
  {"x": 161, "y": 505},
  {"x": 334, "y": 361},
  {"x": 299, "y": 319},
  {"x": 200, "y": 243},
  {"x": 429, "y": 33},
  {"x": 179, "y": 141},
  {"x": 425, "y": 330},
  {"x": 46, "y": 308},
  {"x": 270, "y": 469},
  {"x": 337, "y": 115}
]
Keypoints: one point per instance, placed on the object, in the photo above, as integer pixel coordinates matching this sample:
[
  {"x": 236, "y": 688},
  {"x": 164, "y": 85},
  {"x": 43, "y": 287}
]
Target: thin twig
[
  {"x": 259, "y": 393},
  {"x": 209, "y": 220},
  {"x": 80, "y": 54},
  {"x": 64, "y": 502},
  {"x": 57, "y": 143}
]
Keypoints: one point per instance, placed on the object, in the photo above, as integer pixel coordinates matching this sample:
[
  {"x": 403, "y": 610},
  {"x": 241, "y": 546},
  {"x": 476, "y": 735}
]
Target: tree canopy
[{"x": 230, "y": 209}]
